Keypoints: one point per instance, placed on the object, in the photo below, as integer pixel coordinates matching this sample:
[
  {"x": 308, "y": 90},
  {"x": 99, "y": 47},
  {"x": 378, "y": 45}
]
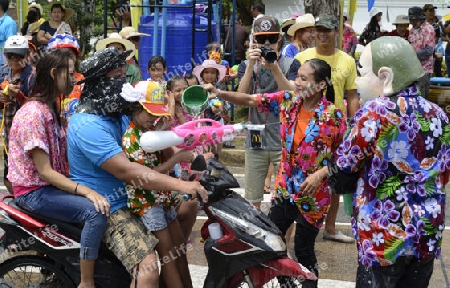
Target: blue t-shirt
[
  {"x": 290, "y": 51},
  {"x": 8, "y": 28},
  {"x": 91, "y": 141}
]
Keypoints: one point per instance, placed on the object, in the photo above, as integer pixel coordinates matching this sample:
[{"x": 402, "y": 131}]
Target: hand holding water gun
[{"x": 193, "y": 134}]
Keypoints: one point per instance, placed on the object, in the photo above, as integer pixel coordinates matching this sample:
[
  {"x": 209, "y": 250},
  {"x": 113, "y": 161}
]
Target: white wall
[{"x": 283, "y": 9}]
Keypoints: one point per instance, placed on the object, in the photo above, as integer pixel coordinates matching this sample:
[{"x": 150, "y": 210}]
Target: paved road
[{"x": 337, "y": 261}]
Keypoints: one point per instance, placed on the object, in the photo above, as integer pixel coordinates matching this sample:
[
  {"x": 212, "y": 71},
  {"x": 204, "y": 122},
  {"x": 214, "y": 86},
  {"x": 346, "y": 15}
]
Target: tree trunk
[{"x": 317, "y": 7}]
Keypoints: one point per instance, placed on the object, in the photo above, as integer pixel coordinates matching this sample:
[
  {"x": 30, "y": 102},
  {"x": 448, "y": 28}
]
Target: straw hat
[
  {"x": 303, "y": 21},
  {"x": 116, "y": 38},
  {"x": 38, "y": 6},
  {"x": 129, "y": 31},
  {"x": 210, "y": 64},
  {"x": 401, "y": 19}
]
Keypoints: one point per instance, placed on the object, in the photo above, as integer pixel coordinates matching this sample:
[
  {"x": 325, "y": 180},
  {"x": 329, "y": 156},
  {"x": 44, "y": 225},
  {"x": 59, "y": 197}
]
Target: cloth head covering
[
  {"x": 327, "y": 20},
  {"x": 16, "y": 44},
  {"x": 416, "y": 13},
  {"x": 101, "y": 94},
  {"x": 64, "y": 41},
  {"x": 401, "y": 19}
]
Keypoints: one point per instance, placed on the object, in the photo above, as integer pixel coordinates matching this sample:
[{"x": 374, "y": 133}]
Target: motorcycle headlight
[{"x": 272, "y": 240}]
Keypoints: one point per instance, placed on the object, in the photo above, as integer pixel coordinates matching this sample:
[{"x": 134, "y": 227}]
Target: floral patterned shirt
[
  {"x": 141, "y": 200},
  {"x": 323, "y": 135},
  {"x": 348, "y": 38},
  {"x": 421, "y": 37},
  {"x": 35, "y": 126},
  {"x": 400, "y": 146}
]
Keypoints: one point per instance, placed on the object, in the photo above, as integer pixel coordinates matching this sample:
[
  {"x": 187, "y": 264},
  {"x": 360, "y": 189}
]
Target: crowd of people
[{"x": 73, "y": 152}]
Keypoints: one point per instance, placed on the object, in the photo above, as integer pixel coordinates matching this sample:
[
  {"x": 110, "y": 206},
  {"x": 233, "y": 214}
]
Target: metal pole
[
  {"x": 155, "y": 31},
  {"x": 163, "y": 29},
  {"x": 193, "y": 34},
  {"x": 105, "y": 18}
]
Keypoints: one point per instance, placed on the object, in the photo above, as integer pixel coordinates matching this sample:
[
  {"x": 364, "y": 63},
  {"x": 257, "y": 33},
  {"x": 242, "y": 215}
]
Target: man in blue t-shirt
[
  {"x": 8, "y": 27},
  {"x": 97, "y": 161}
]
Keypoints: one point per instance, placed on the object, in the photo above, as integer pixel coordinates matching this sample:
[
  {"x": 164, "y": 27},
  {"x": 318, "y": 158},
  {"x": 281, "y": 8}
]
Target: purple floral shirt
[{"x": 400, "y": 146}]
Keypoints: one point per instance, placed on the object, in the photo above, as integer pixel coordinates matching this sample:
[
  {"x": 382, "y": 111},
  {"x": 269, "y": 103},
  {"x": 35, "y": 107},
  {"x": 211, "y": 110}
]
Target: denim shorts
[{"x": 157, "y": 218}]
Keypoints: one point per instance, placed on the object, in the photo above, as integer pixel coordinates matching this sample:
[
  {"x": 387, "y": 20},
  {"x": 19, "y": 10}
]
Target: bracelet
[{"x": 76, "y": 188}]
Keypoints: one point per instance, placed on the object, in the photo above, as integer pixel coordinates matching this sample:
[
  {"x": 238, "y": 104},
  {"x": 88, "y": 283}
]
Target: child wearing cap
[{"x": 156, "y": 208}]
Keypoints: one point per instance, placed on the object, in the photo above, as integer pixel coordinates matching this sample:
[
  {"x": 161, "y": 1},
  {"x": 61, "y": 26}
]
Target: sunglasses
[
  {"x": 261, "y": 39},
  {"x": 11, "y": 56}
]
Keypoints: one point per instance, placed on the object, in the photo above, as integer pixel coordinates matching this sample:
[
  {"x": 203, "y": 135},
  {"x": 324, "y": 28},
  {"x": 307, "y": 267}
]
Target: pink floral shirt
[
  {"x": 421, "y": 37},
  {"x": 318, "y": 144},
  {"x": 34, "y": 126}
]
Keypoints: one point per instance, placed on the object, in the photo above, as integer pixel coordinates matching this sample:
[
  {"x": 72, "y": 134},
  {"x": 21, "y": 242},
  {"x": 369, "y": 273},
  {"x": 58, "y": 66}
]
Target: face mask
[{"x": 103, "y": 97}]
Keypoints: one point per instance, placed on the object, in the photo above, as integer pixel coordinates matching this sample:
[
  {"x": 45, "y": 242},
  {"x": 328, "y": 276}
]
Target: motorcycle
[
  {"x": 43, "y": 252},
  {"x": 251, "y": 252}
]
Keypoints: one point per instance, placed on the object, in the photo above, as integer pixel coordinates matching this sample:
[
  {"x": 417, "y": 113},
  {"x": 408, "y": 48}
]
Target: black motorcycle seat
[{"x": 69, "y": 229}]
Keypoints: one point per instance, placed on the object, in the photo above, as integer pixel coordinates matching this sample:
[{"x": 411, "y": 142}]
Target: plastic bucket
[{"x": 195, "y": 99}]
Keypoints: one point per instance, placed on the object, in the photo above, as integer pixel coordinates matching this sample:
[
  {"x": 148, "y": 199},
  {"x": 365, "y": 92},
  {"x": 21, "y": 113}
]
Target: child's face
[
  {"x": 210, "y": 75},
  {"x": 157, "y": 72},
  {"x": 144, "y": 120},
  {"x": 192, "y": 81},
  {"x": 177, "y": 90}
]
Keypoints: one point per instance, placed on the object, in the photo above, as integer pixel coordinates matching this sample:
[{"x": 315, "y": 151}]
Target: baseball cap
[
  {"x": 327, "y": 21},
  {"x": 64, "y": 41},
  {"x": 152, "y": 98},
  {"x": 16, "y": 44},
  {"x": 266, "y": 25}
]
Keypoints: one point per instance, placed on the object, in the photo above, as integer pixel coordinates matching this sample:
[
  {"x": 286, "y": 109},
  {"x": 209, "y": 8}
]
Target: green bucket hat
[{"x": 395, "y": 52}]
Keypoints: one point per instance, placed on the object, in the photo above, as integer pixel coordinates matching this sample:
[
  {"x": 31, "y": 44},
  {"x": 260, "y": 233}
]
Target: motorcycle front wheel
[
  {"x": 32, "y": 271},
  {"x": 280, "y": 282}
]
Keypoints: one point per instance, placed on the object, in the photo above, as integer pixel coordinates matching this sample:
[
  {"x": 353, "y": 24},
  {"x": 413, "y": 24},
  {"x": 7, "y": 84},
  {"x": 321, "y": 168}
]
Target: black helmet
[{"x": 415, "y": 13}]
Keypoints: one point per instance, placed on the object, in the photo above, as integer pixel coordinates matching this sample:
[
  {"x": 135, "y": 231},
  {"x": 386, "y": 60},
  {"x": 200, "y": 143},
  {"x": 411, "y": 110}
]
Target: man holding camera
[
  {"x": 264, "y": 71},
  {"x": 343, "y": 75}
]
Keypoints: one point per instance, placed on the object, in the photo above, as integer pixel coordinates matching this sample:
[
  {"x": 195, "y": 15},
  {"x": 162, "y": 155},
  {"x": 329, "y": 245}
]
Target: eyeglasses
[
  {"x": 12, "y": 56},
  {"x": 273, "y": 38}
]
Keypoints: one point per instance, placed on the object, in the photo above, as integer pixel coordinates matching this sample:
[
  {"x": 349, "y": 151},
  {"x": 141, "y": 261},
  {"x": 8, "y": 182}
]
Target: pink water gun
[{"x": 192, "y": 134}]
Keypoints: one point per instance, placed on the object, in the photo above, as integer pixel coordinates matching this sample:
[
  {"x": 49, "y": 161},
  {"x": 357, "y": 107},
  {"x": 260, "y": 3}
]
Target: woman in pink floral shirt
[
  {"x": 311, "y": 130},
  {"x": 38, "y": 161}
]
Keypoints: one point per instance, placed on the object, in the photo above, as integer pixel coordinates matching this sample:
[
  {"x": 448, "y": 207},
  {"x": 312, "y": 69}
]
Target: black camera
[{"x": 269, "y": 54}]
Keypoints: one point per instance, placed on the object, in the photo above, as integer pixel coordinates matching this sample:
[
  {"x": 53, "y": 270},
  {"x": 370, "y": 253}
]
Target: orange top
[{"x": 303, "y": 118}]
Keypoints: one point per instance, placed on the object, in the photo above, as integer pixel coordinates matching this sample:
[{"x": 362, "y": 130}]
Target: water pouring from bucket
[{"x": 195, "y": 99}]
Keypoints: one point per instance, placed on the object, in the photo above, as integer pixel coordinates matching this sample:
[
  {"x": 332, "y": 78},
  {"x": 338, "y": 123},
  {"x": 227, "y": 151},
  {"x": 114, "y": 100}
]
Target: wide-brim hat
[
  {"x": 286, "y": 24},
  {"x": 210, "y": 64},
  {"x": 401, "y": 19},
  {"x": 38, "y": 6},
  {"x": 116, "y": 38},
  {"x": 152, "y": 98},
  {"x": 129, "y": 31},
  {"x": 101, "y": 62},
  {"x": 303, "y": 21}
]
